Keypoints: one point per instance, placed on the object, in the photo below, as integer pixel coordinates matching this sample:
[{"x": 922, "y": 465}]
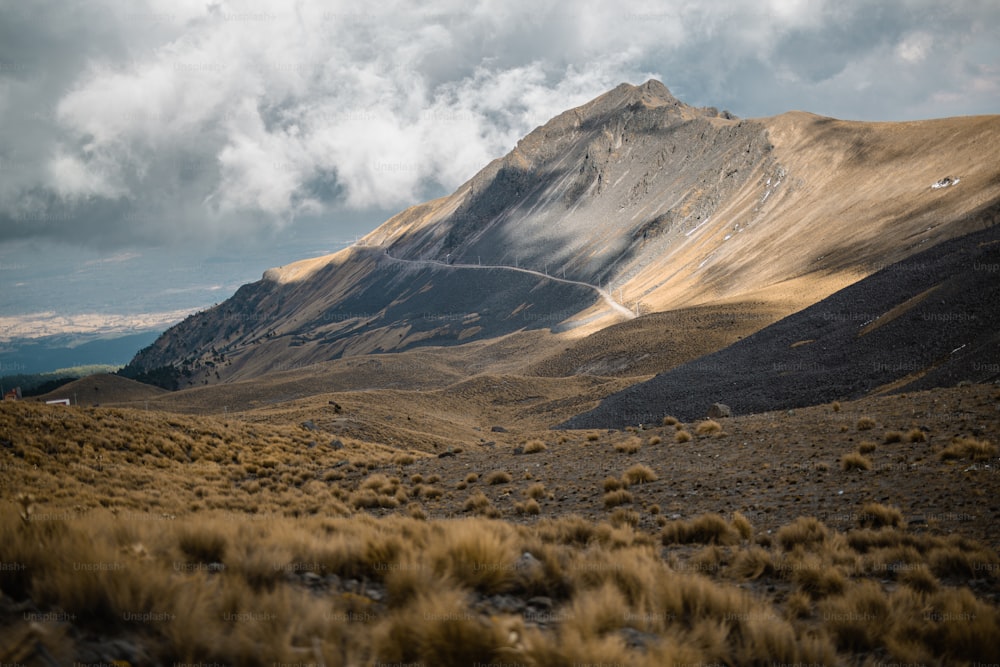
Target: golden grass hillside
[{"x": 240, "y": 590}]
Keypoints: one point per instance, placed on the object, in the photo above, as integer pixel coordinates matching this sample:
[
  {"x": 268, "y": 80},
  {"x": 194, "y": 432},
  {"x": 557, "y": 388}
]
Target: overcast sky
[{"x": 179, "y": 125}]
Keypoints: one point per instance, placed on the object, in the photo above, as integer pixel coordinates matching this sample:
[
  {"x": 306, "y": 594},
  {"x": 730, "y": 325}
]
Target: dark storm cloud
[{"x": 181, "y": 122}]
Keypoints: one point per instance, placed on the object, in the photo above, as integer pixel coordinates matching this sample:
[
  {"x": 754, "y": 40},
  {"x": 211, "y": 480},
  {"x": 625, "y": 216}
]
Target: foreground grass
[{"x": 363, "y": 590}]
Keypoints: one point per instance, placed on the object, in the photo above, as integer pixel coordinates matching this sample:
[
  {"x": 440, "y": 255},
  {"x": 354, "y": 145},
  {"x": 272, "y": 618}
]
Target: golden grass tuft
[
  {"x": 639, "y": 474},
  {"x": 477, "y": 502},
  {"x": 876, "y": 515},
  {"x": 703, "y": 529},
  {"x": 612, "y": 484},
  {"x": 916, "y": 435},
  {"x": 534, "y": 446},
  {"x": 593, "y": 437},
  {"x": 682, "y": 437},
  {"x": 867, "y": 447},
  {"x": 669, "y": 421},
  {"x": 865, "y": 424},
  {"x": 498, "y": 477},
  {"x": 536, "y": 491},
  {"x": 708, "y": 427},
  {"x": 630, "y": 446},
  {"x": 808, "y": 532},
  {"x": 968, "y": 448},
  {"x": 891, "y": 437},
  {"x": 742, "y": 525},
  {"x": 616, "y": 498},
  {"x": 855, "y": 461},
  {"x": 529, "y": 507}
]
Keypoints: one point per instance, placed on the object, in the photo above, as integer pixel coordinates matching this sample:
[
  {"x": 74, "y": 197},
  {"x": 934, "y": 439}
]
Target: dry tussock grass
[
  {"x": 855, "y": 461},
  {"x": 638, "y": 474},
  {"x": 629, "y": 446},
  {"x": 398, "y": 589},
  {"x": 704, "y": 529},
  {"x": 273, "y": 566},
  {"x": 534, "y": 446},
  {"x": 968, "y": 448},
  {"x": 708, "y": 427}
]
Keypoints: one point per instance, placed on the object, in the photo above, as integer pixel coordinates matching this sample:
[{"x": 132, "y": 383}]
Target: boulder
[{"x": 719, "y": 411}]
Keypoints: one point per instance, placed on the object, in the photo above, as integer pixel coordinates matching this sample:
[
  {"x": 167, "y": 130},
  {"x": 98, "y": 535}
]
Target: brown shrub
[
  {"x": 682, "y": 437},
  {"x": 708, "y": 427},
  {"x": 630, "y": 446},
  {"x": 703, "y": 529},
  {"x": 534, "y": 446},
  {"x": 616, "y": 498},
  {"x": 639, "y": 474},
  {"x": 855, "y": 461},
  {"x": 498, "y": 477},
  {"x": 969, "y": 448}
]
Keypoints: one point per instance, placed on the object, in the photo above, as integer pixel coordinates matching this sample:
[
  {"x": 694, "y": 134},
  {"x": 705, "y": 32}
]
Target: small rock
[
  {"x": 498, "y": 429},
  {"x": 518, "y": 450},
  {"x": 309, "y": 425},
  {"x": 447, "y": 454},
  {"x": 312, "y": 444},
  {"x": 312, "y": 579},
  {"x": 337, "y": 444},
  {"x": 528, "y": 564},
  {"x": 540, "y": 602}
]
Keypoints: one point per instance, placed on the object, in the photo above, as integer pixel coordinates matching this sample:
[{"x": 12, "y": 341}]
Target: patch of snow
[
  {"x": 698, "y": 226},
  {"x": 945, "y": 182}
]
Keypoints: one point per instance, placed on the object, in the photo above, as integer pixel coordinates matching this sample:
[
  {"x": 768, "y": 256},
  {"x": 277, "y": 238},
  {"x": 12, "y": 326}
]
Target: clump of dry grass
[
  {"x": 529, "y": 507},
  {"x": 477, "y": 502},
  {"x": 669, "y": 421},
  {"x": 867, "y": 447},
  {"x": 536, "y": 491},
  {"x": 639, "y": 474},
  {"x": 742, "y": 525},
  {"x": 855, "y": 461},
  {"x": 891, "y": 437},
  {"x": 708, "y": 427},
  {"x": 534, "y": 446},
  {"x": 968, "y": 448},
  {"x": 624, "y": 517},
  {"x": 593, "y": 437},
  {"x": 703, "y": 529},
  {"x": 682, "y": 437},
  {"x": 498, "y": 477},
  {"x": 865, "y": 424},
  {"x": 916, "y": 435},
  {"x": 835, "y": 406},
  {"x": 807, "y": 532},
  {"x": 655, "y": 440},
  {"x": 404, "y": 459},
  {"x": 630, "y": 446},
  {"x": 471, "y": 478},
  {"x": 752, "y": 563},
  {"x": 876, "y": 515},
  {"x": 616, "y": 498},
  {"x": 611, "y": 484}
]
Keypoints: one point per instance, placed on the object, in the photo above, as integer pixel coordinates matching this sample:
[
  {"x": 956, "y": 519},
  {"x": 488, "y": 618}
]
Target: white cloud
[
  {"x": 187, "y": 119},
  {"x": 915, "y": 47}
]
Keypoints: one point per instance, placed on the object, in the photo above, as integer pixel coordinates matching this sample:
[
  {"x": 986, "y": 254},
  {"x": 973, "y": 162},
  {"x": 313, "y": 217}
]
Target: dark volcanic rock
[{"x": 929, "y": 321}]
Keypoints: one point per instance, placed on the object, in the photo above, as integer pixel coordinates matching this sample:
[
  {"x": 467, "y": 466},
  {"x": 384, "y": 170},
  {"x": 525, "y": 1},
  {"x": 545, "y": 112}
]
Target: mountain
[
  {"x": 928, "y": 321},
  {"x": 632, "y": 203}
]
